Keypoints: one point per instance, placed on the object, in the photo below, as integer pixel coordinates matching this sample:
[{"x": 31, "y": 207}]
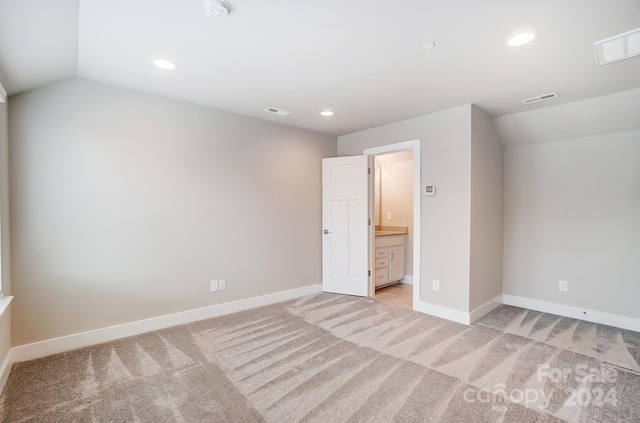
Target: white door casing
[{"x": 345, "y": 214}]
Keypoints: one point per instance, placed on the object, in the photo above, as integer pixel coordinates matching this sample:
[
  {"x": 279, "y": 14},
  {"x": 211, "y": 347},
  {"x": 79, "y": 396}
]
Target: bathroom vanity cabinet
[{"x": 389, "y": 259}]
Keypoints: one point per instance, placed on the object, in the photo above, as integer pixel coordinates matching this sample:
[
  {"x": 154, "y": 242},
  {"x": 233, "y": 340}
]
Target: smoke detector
[{"x": 216, "y": 9}]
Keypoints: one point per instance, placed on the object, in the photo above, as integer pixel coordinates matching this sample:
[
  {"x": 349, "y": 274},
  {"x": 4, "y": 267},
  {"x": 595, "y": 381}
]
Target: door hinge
[
  {"x": 369, "y": 171},
  {"x": 369, "y": 222},
  {"x": 369, "y": 272}
]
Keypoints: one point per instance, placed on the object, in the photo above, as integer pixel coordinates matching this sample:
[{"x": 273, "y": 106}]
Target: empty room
[{"x": 337, "y": 211}]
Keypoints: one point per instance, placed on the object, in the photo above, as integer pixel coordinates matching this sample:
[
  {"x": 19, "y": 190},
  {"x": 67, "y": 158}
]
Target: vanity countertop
[{"x": 390, "y": 230}]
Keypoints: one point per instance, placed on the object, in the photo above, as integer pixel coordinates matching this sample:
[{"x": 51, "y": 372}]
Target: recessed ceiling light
[
  {"x": 428, "y": 46},
  {"x": 164, "y": 64},
  {"x": 521, "y": 39},
  {"x": 326, "y": 113}
]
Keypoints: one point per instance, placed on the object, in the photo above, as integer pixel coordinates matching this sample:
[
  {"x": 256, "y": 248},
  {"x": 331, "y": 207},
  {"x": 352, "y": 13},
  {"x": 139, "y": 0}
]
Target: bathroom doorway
[{"x": 395, "y": 243}]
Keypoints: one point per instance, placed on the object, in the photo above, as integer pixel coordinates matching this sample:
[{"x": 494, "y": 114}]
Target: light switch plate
[
  {"x": 213, "y": 285},
  {"x": 563, "y": 286}
]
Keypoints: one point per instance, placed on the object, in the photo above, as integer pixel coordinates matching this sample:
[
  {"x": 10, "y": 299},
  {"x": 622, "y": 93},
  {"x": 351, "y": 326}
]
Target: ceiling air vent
[
  {"x": 276, "y": 111},
  {"x": 540, "y": 98},
  {"x": 616, "y": 48}
]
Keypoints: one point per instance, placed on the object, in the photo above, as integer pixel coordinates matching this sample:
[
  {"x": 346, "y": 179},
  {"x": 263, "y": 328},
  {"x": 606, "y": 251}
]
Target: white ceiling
[{"x": 360, "y": 58}]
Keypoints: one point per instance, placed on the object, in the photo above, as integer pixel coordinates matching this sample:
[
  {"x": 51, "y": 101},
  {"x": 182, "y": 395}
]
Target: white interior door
[{"x": 345, "y": 214}]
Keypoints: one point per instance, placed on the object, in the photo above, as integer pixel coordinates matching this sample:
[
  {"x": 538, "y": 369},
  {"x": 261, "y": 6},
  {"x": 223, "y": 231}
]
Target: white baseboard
[
  {"x": 99, "y": 336},
  {"x": 6, "y": 369},
  {"x": 7, "y": 362},
  {"x": 408, "y": 279},
  {"x": 603, "y": 318},
  {"x": 443, "y": 312},
  {"x": 485, "y": 308},
  {"x": 456, "y": 315},
  {"x": 609, "y": 319}
]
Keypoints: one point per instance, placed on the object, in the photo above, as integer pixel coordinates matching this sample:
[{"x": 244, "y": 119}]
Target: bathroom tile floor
[{"x": 400, "y": 294}]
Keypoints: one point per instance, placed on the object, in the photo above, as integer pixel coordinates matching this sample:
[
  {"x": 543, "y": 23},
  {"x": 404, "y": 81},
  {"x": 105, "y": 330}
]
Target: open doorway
[
  {"x": 394, "y": 236},
  {"x": 393, "y": 231}
]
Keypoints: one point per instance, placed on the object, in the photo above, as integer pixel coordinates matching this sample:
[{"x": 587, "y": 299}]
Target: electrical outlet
[
  {"x": 214, "y": 285},
  {"x": 222, "y": 284},
  {"x": 563, "y": 286},
  {"x": 436, "y": 285}
]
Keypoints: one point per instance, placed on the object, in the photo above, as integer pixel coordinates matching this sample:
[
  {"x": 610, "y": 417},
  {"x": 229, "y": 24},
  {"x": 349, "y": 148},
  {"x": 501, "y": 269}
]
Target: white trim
[
  {"x": 609, "y": 319},
  {"x": 4, "y": 303},
  {"x": 390, "y": 148},
  {"x": 371, "y": 230},
  {"x": 408, "y": 279},
  {"x": 7, "y": 363},
  {"x": 456, "y": 315},
  {"x": 5, "y": 370},
  {"x": 3, "y": 94},
  {"x": 485, "y": 308},
  {"x": 98, "y": 336},
  {"x": 417, "y": 202},
  {"x": 443, "y": 312}
]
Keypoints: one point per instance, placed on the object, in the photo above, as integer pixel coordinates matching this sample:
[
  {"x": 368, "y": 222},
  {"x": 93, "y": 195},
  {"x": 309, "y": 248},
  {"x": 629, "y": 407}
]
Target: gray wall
[
  {"x": 572, "y": 212},
  {"x": 445, "y": 219},
  {"x": 486, "y": 210},
  {"x": 125, "y": 205}
]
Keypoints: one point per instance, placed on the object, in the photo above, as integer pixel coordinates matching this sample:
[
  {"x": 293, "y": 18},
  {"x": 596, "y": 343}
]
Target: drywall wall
[
  {"x": 445, "y": 218},
  {"x": 486, "y": 210},
  {"x": 125, "y": 205},
  {"x": 594, "y": 116},
  {"x": 396, "y": 197},
  {"x": 572, "y": 212}
]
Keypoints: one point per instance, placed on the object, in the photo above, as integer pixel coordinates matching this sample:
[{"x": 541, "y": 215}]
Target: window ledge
[{"x": 4, "y": 303}]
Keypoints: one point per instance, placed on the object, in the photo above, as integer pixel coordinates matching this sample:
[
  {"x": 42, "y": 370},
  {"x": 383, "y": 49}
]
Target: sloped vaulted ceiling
[{"x": 360, "y": 58}]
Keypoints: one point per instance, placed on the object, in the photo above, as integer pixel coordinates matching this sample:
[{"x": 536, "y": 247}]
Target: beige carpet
[{"x": 332, "y": 358}]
